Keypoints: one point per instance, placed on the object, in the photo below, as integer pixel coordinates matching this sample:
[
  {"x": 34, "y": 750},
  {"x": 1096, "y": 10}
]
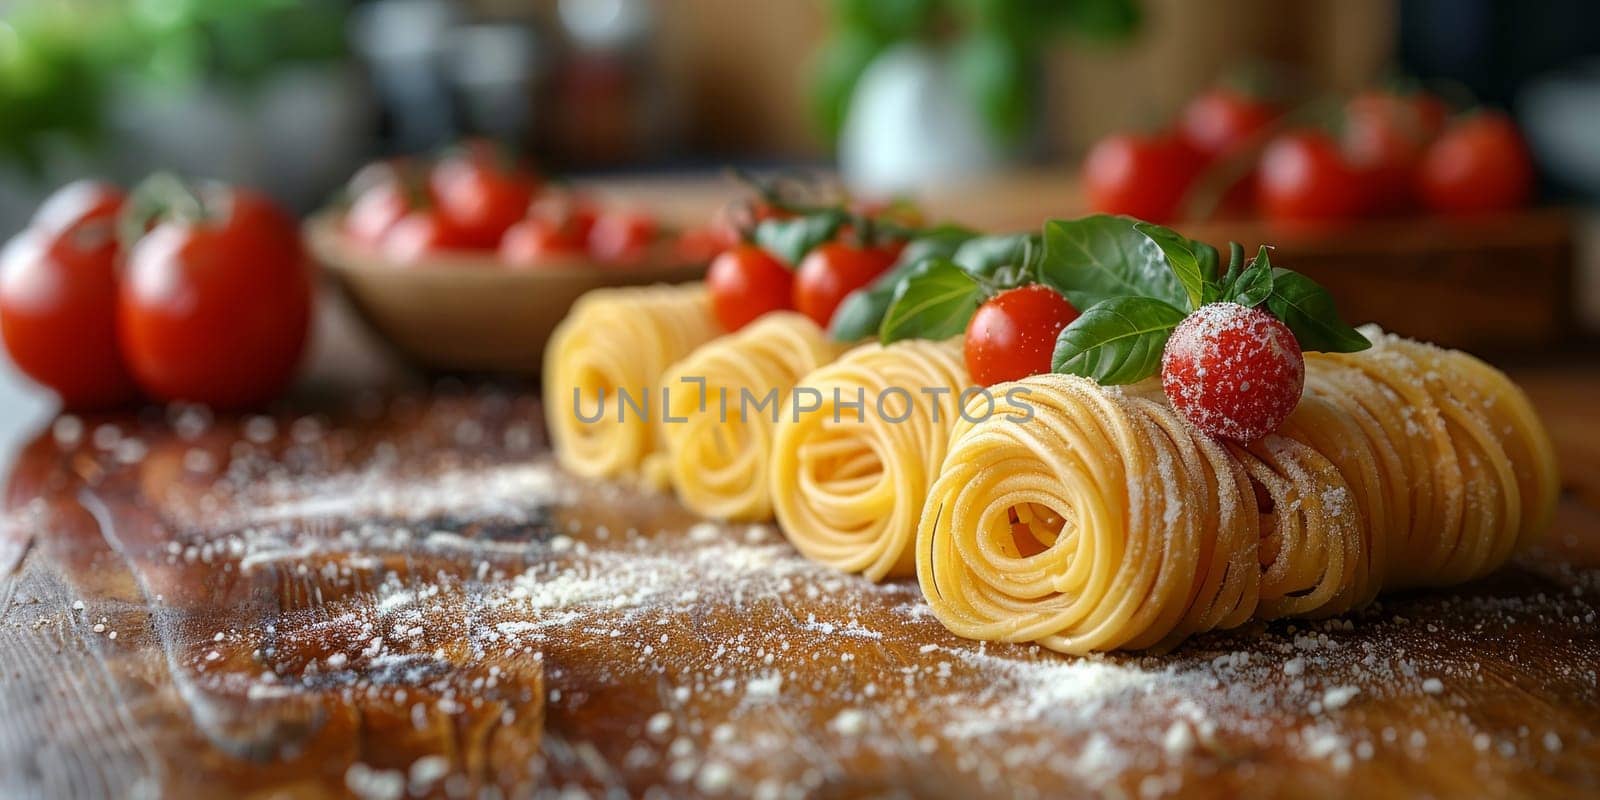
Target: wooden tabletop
[{"x": 394, "y": 595}]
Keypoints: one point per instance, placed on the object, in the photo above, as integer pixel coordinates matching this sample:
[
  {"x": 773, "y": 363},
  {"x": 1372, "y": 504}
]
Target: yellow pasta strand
[
  {"x": 1404, "y": 465},
  {"x": 726, "y": 398},
  {"x": 614, "y": 341},
  {"x": 848, "y": 478}
]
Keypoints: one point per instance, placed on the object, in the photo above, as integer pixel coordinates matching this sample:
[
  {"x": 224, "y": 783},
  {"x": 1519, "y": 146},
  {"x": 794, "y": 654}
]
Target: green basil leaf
[
  {"x": 1118, "y": 340},
  {"x": 861, "y": 312},
  {"x": 1009, "y": 260},
  {"x": 934, "y": 302},
  {"x": 790, "y": 239},
  {"x": 1181, "y": 258},
  {"x": 1308, "y": 310},
  {"x": 1100, "y": 257}
]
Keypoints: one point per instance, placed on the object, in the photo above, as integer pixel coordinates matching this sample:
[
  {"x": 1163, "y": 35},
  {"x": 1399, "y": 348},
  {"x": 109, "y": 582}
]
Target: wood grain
[{"x": 542, "y": 634}]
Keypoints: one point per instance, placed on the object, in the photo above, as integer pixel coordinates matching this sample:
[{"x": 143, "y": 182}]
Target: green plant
[{"x": 995, "y": 44}]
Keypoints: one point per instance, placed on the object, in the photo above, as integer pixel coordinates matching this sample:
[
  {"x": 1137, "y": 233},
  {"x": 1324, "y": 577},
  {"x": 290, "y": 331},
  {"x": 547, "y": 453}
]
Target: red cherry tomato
[
  {"x": 374, "y": 211},
  {"x": 1383, "y": 136},
  {"x": 1222, "y": 121},
  {"x": 216, "y": 310},
  {"x": 535, "y": 242},
  {"x": 1141, "y": 176},
  {"x": 1304, "y": 177},
  {"x": 1233, "y": 371},
  {"x": 569, "y": 210},
  {"x": 420, "y": 234},
  {"x": 58, "y": 316},
  {"x": 1013, "y": 334},
  {"x": 746, "y": 282},
  {"x": 1480, "y": 165},
  {"x": 1420, "y": 116},
  {"x": 622, "y": 237},
  {"x": 830, "y": 272},
  {"x": 480, "y": 197},
  {"x": 700, "y": 244},
  {"x": 78, "y": 204}
]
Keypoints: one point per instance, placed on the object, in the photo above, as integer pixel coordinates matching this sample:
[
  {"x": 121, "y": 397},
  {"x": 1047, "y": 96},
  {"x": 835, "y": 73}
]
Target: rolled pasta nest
[
  {"x": 725, "y": 400},
  {"x": 603, "y": 367},
  {"x": 1102, "y": 521},
  {"x": 849, "y": 477}
]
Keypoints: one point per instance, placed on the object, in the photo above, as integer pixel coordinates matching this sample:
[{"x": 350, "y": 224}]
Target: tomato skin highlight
[
  {"x": 217, "y": 311},
  {"x": 746, "y": 282},
  {"x": 622, "y": 237},
  {"x": 1220, "y": 122},
  {"x": 58, "y": 319},
  {"x": 833, "y": 270},
  {"x": 1140, "y": 176},
  {"x": 374, "y": 212},
  {"x": 78, "y": 204},
  {"x": 1305, "y": 178},
  {"x": 1232, "y": 371},
  {"x": 420, "y": 234},
  {"x": 1479, "y": 165},
  {"x": 1013, "y": 334}
]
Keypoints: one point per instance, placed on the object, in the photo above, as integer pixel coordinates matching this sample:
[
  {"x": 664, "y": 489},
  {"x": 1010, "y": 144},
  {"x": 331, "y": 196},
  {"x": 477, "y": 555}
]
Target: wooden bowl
[{"x": 468, "y": 311}]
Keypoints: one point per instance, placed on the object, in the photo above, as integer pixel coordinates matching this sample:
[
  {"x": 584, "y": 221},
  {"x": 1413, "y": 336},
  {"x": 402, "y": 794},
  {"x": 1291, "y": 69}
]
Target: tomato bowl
[{"x": 469, "y": 311}]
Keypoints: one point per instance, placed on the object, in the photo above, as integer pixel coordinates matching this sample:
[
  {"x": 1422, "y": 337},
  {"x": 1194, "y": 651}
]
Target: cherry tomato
[
  {"x": 746, "y": 282},
  {"x": 536, "y": 242},
  {"x": 1233, "y": 371},
  {"x": 1479, "y": 165},
  {"x": 78, "y": 204},
  {"x": 1220, "y": 122},
  {"x": 1304, "y": 177},
  {"x": 1420, "y": 115},
  {"x": 419, "y": 234},
  {"x": 700, "y": 243},
  {"x": 480, "y": 197},
  {"x": 1141, "y": 176},
  {"x": 1013, "y": 334},
  {"x": 1383, "y": 136},
  {"x": 215, "y": 310},
  {"x": 374, "y": 211},
  {"x": 622, "y": 237},
  {"x": 58, "y": 316},
  {"x": 830, "y": 272},
  {"x": 572, "y": 211}
]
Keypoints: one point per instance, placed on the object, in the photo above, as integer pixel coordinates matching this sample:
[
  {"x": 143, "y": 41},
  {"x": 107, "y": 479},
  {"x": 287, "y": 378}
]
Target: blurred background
[{"x": 914, "y": 96}]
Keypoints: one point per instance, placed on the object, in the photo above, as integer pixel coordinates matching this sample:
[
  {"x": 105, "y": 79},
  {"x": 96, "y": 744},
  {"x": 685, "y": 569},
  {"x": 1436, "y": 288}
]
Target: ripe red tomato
[
  {"x": 1141, "y": 176},
  {"x": 1220, "y": 122},
  {"x": 374, "y": 211},
  {"x": 535, "y": 242},
  {"x": 622, "y": 237},
  {"x": 1233, "y": 371},
  {"x": 215, "y": 310},
  {"x": 746, "y": 282},
  {"x": 1013, "y": 334},
  {"x": 479, "y": 196},
  {"x": 566, "y": 209},
  {"x": 1479, "y": 165},
  {"x": 58, "y": 316},
  {"x": 700, "y": 243},
  {"x": 78, "y": 204},
  {"x": 1305, "y": 178},
  {"x": 833, "y": 270},
  {"x": 419, "y": 234},
  {"x": 1383, "y": 136},
  {"x": 1420, "y": 115}
]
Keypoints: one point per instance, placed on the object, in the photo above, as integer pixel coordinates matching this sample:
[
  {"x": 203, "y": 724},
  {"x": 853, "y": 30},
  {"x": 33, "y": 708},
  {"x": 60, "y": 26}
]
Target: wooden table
[{"x": 398, "y": 595}]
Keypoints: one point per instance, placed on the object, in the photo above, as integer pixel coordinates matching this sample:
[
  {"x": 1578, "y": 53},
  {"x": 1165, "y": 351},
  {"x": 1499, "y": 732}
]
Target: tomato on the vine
[
  {"x": 1013, "y": 334},
  {"x": 833, "y": 270},
  {"x": 1479, "y": 165},
  {"x": 1233, "y": 371},
  {"x": 746, "y": 282},
  {"x": 479, "y": 196},
  {"x": 58, "y": 316},
  {"x": 1305, "y": 177},
  {"x": 622, "y": 237},
  {"x": 215, "y": 302},
  {"x": 1141, "y": 176},
  {"x": 1221, "y": 122}
]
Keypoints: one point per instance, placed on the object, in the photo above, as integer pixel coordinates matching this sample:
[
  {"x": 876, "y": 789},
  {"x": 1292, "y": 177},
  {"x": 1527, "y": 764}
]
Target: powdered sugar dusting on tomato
[{"x": 1233, "y": 371}]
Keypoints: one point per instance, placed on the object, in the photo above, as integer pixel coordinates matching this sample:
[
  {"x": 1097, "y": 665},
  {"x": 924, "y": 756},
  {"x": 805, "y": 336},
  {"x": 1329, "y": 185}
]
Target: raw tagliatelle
[
  {"x": 602, "y": 369},
  {"x": 1104, "y": 522},
  {"x": 849, "y": 477},
  {"x": 725, "y": 398}
]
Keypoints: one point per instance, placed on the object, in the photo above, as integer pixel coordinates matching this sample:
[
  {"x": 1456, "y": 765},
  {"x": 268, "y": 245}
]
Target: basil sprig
[{"x": 861, "y": 313}]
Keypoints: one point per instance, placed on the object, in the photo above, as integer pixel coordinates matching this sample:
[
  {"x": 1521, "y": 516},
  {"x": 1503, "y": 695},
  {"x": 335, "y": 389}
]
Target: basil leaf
[
  {"x": 1252, "y": 288},
  {"x": 1181, "y": 258},
  {"x": 1308, "y": 310},
  {"x": 985, "y": 256},
  {"x": 1100, "y": 257},
  {"x": 861, "y": 312},
  {"x": 935, "y": 301},
  {"x": 1118, "y": 340},
  {"x": 790, "y": 239}
]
